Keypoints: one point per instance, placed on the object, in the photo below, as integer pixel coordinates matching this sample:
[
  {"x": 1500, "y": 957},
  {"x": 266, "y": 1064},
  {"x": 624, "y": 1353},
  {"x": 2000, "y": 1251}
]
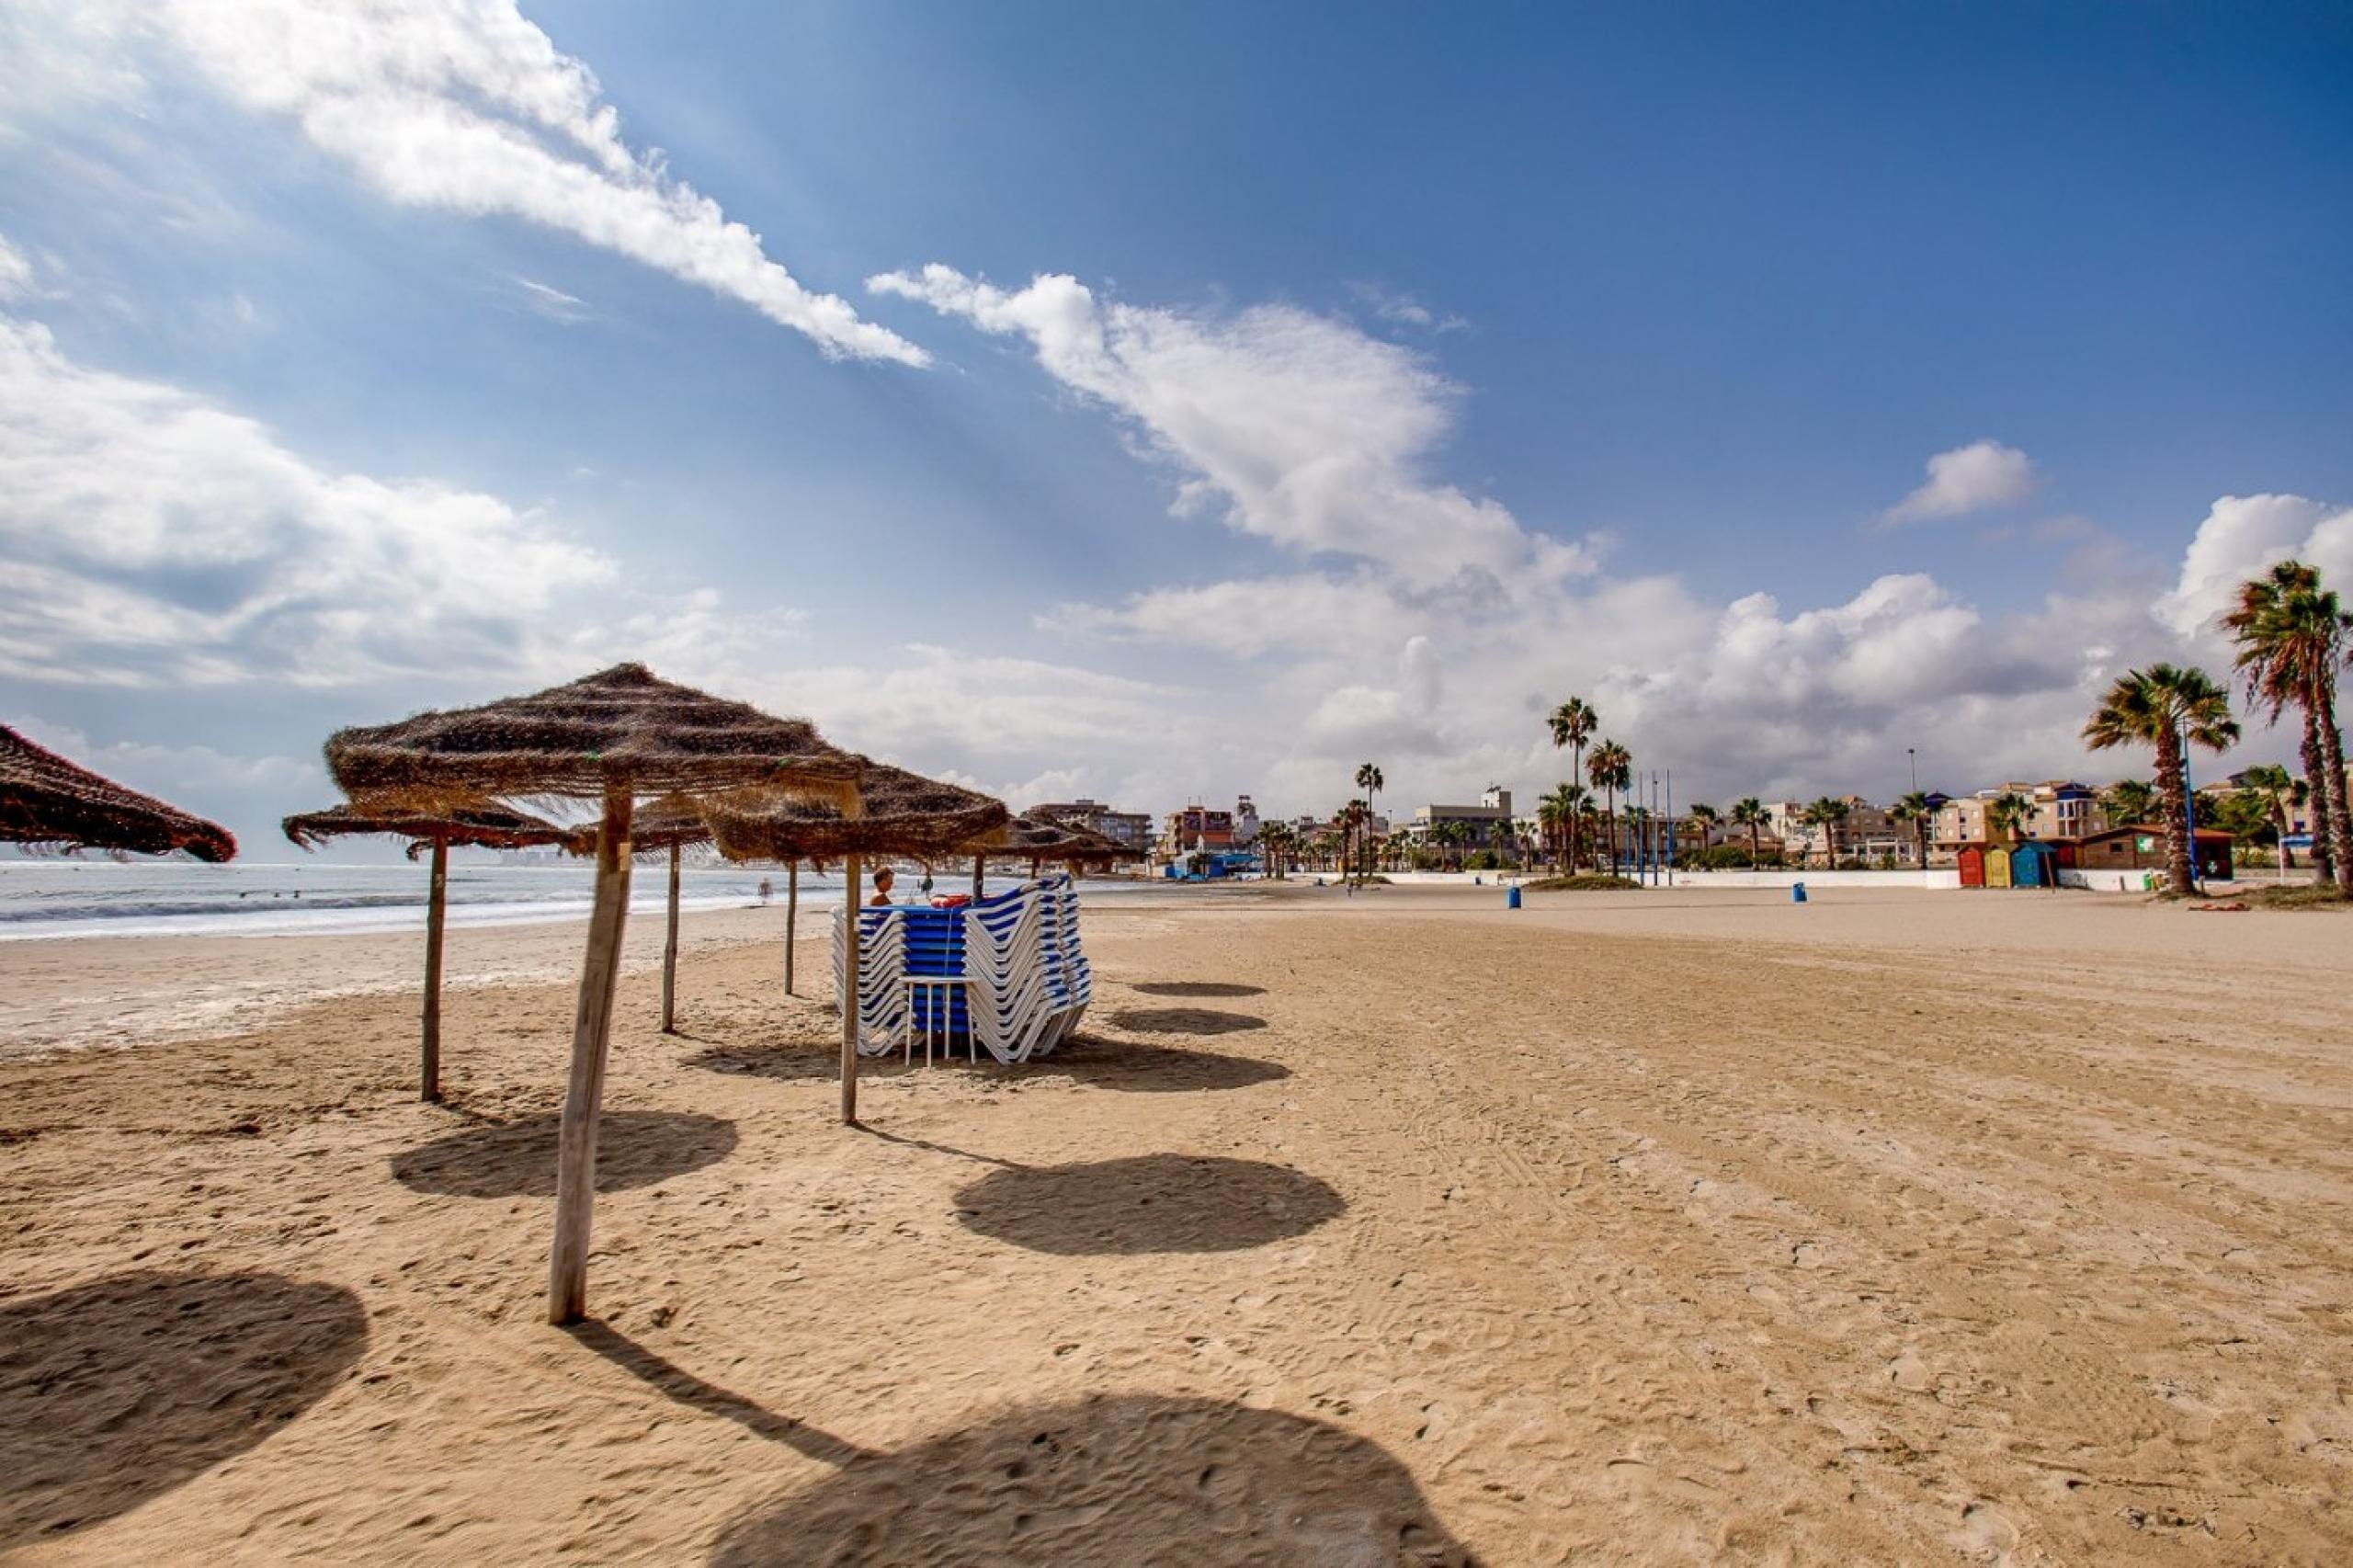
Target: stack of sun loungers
[{"x": 1002, "y": 974}]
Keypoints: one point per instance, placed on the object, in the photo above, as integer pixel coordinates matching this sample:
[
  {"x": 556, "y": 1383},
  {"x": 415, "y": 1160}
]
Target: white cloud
[
  {"x": 465, "y": 105},
  {"x": 1975, "y": 478},
  {"x": 1244, "y": 618},
  {"x": 1298, "y": 428},
  {"x": 553, "y": 303},
  {"x": 16, "y": 272},
  {"x": 153, "y": 538},
  {"x": 181, "y": 772},
  {"x": 1401, "y": 309},
  {"x": 1438, "y": 651},
  {"x": 2243, "y": 536}
]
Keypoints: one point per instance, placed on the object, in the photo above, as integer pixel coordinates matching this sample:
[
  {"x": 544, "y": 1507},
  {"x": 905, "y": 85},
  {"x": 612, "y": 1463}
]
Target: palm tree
[
  {"x": 1548, "y": 820},
  {"x": 1369, "y": 779},
  {"x": 1560, "y": 812},
  {"x": 2128, "y": 801},
  {"x": 1915, "y": 808},
  {"x": 1748, "y": 811},
  {"x": 1573, "y": 723},
  {"x": 1350, "y": 819},
  {"x": 2162, "y": 707},
  {"x": 2003, "y": 812},
  {"x": 2291, "y": 635},
  {"x": 1277, "y": 840},
  {"x": 2281, "y": 792},
  {"x": 1704, "y": 817},
  {"x": 1611, "y": 768},
  {"x": 1826, "y": 814}
]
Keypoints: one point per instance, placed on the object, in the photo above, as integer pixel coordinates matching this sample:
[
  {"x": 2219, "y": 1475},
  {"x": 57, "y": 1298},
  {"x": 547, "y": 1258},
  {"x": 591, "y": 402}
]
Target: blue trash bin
[
  {"x": 1797, "y": 892},
  {"x": 1511, "y": 898}
]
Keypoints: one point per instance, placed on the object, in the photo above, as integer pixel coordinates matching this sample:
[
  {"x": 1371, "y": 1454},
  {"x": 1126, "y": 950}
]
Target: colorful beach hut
[
  {"x": 48, "y": 801},
  {"x": 613, "y": 738},
  {"x": 1972, "y": 861},
  {"x": 1997, "y": 865},
  {"x": 2034, "y": 865},
  {"x": 486, "y": 826}
]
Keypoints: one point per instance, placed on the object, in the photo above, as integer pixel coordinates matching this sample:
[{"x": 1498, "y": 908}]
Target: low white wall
[
  {"x": 1931, "y": 878},
  {"x": 2102, "y": 880}
]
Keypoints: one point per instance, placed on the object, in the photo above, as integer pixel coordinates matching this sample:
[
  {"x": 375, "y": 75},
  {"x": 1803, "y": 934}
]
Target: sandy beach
[{"x": 1900, "y": 1227}]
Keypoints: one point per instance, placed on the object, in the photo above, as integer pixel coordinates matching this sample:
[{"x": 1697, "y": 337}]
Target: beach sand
[{"x": 1896, "y": 1227}]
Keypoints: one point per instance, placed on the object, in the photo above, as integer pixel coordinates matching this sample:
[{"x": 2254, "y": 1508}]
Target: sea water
[{"x": 92, "y": 896}]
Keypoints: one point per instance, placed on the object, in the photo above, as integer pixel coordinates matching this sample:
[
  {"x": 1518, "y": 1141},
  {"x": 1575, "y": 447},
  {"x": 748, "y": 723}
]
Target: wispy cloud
[
  {"x": 1296, "y": 426},
  {"x": 16, "y": 272},
  {"x": 544, "y": 299},
  {"x": 151, "y": 536},
  {"x": 1401, "y": 309},
  {"x": 467, "y": 106},
  {"x": 1979, "y": 477}
]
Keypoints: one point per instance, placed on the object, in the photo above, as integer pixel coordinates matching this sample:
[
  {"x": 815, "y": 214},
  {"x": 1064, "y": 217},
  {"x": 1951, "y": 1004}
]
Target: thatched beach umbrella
[
  {"x": 900, "y": 813},
  {"x": 47, "y": 800},
  {"x": 669, "y": 826},
  {"x": 610, "y": 738},
  {"x": 489, "y": 827},
  {"x": 1037, "y": 840}
]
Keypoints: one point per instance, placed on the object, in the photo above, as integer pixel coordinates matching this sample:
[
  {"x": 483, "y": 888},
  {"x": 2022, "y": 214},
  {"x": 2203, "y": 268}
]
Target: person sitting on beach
[{"x": 882, "y": 880}]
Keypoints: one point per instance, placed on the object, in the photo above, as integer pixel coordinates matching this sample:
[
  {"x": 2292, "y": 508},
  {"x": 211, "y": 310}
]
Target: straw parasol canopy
[
  {"x": 613, "y": 736},
  {"x": 673, "y": 822},
  {"x": 484, "y": 826},
  {"x": 45, "y": 800},
  {"x": 904, "y": 815},
  {"x": 1034, "y": 839},
  {"x": 624, "y": 727}
]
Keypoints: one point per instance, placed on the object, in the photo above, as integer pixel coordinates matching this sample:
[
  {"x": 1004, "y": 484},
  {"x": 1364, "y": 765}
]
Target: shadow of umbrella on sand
[
  {"x": 1146, "y": 1203},
  {"x": 116, "y": 1391},
  {"x": 516, "y": 1159},
  {"x": 1111, "y": 1480}
]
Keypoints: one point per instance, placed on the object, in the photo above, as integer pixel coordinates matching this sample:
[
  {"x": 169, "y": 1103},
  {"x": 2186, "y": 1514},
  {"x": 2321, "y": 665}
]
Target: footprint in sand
[{"x": 1986, "y": 1533}]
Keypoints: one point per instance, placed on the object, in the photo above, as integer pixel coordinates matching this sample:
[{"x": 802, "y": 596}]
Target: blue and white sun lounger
[{"x": 1003, "y": 974}]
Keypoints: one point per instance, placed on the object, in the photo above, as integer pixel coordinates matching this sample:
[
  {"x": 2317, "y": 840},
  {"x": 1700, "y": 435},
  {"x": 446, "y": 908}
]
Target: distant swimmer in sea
[
  {"x": 882, "y": 880},
  {"x": 767, "y": 890}
]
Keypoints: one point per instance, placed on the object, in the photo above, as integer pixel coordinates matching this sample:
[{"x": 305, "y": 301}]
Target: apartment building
[
  {"x": 1484, "y": 821},
  {"x": 1131, "y": 830},
  {"x": 2057, "y": 808}
]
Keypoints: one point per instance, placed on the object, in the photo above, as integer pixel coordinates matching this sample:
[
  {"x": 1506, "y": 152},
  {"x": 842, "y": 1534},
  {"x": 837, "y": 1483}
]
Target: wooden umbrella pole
[
  {"x": 670, "y": 954},
  {"x": 791, "y": 917},
  {"x": 851, "y": 942},
  {"x": 575, "y": 1171},
  {"x": 980, "y": 868},
  {"x": 437, "y": 907},
  {"x": 853, "y": 808}
]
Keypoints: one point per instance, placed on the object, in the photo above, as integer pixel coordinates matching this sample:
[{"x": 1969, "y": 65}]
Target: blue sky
[{"x": 1291, "y": 386}]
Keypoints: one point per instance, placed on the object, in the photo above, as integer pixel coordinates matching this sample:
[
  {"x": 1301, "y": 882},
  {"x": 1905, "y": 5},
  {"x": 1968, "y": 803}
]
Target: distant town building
[
  {"x": 1485, "y": 820},
  {"x": 1245, "y": 823},
  {"x": 2299, "y": 814},
  {"x": 2058, "y": 809},
  {"x": 1131, "y": 829},
  {"x": 1196, "y": 827}
]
